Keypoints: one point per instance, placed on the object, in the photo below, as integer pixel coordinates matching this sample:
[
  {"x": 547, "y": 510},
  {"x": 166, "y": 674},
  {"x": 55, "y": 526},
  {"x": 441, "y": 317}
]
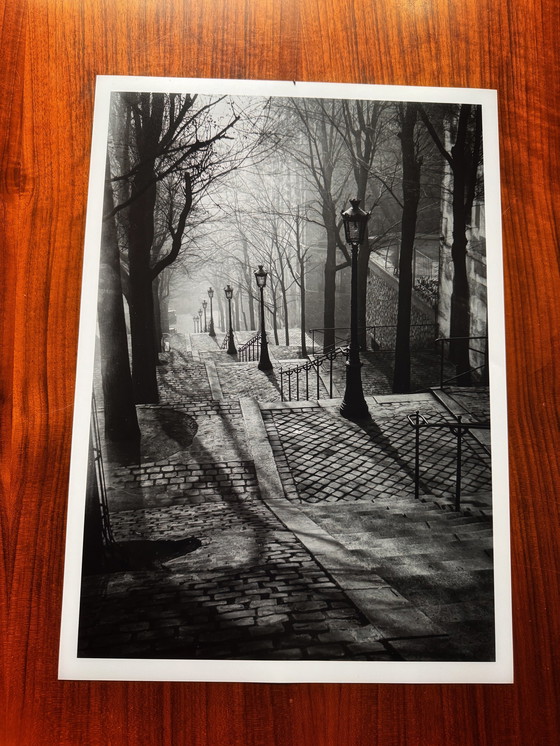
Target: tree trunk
[
  {"x": 144, "y": 354},
  {"x": 329, "y": 310},
  {"x": 121, "y": 422},
  {"x": 157, "y": 317},
  {"x": 363, "y": 266},
  {"x": 286, "y": 316},
  {"x": 236, "y": 324},
  {"x": 302, "y": 306},
  {"x": 460, "y": 321},
  {"x": 411, "y": 195},
  {"x": 218, "y": 297}
]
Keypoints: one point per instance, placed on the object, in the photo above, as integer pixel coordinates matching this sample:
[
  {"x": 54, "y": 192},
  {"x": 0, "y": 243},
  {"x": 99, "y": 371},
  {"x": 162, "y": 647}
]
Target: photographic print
[{"x": 289, "y": 455}]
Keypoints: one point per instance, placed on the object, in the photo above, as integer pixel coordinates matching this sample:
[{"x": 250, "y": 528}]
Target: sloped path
[{"x": 301, "y": 544}]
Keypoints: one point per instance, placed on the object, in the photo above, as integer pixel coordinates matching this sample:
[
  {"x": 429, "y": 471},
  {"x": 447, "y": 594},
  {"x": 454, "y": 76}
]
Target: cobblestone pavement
[
  {"x": 249, "y": 591},
  {"x": 374, "y": 459},
  {"x": 358, "y": 485},
  {"x": 245, "y": 379},
  {"x": 181, "y": 377},
  {"x": 203, "y": 567}
]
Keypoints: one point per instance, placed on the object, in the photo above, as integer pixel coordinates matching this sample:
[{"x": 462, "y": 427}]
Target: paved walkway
[{"x": 259, "y": 529}]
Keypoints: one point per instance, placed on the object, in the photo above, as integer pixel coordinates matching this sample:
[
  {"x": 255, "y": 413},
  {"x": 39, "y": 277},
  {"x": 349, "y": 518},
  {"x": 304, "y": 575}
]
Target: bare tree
[
  {"x": 463, "y": 155},
  {"x": 411, "y": 165}
]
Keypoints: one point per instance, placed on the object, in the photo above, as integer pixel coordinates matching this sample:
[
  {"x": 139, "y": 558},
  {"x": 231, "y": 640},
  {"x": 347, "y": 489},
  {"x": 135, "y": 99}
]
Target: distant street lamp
[
  {"x": 211, "y": 330},
  {"x": 231, "y": 343},
  {"x": 200, "y": 319},
  {"x": 354, "y": 406},
  {"x": 195, "y": 322},
  {"x": 264, "y": 360},
  {"x": 204, "y": 306}
]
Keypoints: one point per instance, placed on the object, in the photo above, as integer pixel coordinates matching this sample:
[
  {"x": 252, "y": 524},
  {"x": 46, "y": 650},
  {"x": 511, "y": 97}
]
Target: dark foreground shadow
[{"x": 145, "y": 554}]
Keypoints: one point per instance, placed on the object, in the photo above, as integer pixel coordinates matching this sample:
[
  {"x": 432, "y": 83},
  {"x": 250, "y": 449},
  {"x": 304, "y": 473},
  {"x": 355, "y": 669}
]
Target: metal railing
[
  {"x": 483, "y": 367},
  {"x": 459, "y": 429},
  {"x": 382, "y": 336},
  {"x": 107, "y": 532},
  {"x": 250, "y": 351},
  {"x": 291, "y": 386}
]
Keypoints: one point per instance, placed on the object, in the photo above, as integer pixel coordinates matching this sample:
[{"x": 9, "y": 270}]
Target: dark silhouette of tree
[
  {"x": 463, "y": 156},
  {"x": 317, "y": 147},
  {"x": 170, "y": 137},
  {"x": 411, "y": 165},
  {"x": 121, "y": 423}
]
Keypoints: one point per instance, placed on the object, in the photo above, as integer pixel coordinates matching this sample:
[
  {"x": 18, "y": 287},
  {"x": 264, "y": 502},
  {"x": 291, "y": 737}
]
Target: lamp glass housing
[
  {"x": 204, "y": 304},
  {"x": 229, "y": 292},
  {"x": 355, "y": 222},
  {"x": 210, "y": 293},
  {"x": 260, "y": 276}
]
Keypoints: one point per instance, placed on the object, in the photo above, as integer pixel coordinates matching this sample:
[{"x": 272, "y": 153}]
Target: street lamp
[
  {"x": 195, "y": 321},
  {"x": 200, "y": 319},
  {"x": 354, "y": 405},
  {"x": 264, "y": 360},
  {"x": 204, "y": 305},
  {"x": 231, "y": 343},
  {"x": 211, "y": 330}
]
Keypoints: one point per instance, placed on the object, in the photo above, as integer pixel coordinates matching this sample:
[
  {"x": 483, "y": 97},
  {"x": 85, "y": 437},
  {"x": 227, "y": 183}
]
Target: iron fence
[
  {"x": 250, "y": 351},
  {"x": 459, "y": 429},
  {"x": 381, "y": 336},
  {"x": 480, "y": 354},
  {"x": 295, "y": 382}
]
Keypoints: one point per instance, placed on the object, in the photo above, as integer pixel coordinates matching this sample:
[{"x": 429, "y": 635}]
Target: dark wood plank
[{"x": 51, "y": 51}]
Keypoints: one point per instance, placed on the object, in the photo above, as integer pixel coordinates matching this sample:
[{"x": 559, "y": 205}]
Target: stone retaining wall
[{"x": 381, "y": 312}]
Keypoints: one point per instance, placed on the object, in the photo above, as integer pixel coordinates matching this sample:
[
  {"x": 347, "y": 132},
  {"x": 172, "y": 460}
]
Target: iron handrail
[
  {"x": 316, "y": 364},
  {"x": 106, "y": 529},
  {"x": 249, "y": 351},
  {"x": 375, "y": 327},
  {"x": 484, "y": 366},
  {"x": 458, "y": 428}
]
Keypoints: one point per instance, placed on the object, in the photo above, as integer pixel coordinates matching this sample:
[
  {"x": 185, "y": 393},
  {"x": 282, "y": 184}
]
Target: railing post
[
  {"x": 458, "y": 481},
  {"x": 313, "y": 341},
  {"x": 417, "y": 458},
  {"x": 289, "y": 385},
  {"x": 297, "y": 384},
  {"x": 331, "y": 358},
  {"x": 281, "y": 385},
  {"x": 441, "y": 344},
  {"x": 307, "y": 383}
]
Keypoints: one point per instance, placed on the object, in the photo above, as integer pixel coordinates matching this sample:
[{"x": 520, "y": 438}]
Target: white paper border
[{"x": 498, "y": 671}]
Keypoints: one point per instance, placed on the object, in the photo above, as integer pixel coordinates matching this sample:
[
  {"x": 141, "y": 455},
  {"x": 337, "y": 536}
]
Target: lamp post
[
  {"x": 211, "y": 330},
  {"x": 204, "y": 305},
  {"x": 264, "y": 360},
  {"x": 231, "y": 343},
  {"x": 354, "y": 406},
  {"x": 200, "y": 319},
  {"x": 195, "y": 321}
]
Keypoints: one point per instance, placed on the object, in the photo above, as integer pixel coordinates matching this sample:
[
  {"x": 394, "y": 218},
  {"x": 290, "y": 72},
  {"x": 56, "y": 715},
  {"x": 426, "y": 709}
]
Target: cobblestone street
[{"x": 261, "y": 529}]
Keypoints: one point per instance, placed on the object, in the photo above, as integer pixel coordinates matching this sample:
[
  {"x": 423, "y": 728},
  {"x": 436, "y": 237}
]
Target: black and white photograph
[{"x": 289, "y": 455}]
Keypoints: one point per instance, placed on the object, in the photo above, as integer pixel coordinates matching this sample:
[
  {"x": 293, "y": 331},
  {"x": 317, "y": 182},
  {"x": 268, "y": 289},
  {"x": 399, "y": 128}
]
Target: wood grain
[{"x": 51, "y": 52}]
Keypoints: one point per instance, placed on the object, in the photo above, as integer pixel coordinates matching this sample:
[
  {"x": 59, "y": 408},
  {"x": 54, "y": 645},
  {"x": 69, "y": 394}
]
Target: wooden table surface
[{"x": 51, "y": 51}]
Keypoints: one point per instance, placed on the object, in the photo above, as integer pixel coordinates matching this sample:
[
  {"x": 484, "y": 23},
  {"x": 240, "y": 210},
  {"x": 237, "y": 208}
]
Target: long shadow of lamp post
[
  {"x": 264, "y": 359},
  {"x": 231, "y": 343},
  {"x": 354, "y": 405},
  {"x": 211, "y": 330}
]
